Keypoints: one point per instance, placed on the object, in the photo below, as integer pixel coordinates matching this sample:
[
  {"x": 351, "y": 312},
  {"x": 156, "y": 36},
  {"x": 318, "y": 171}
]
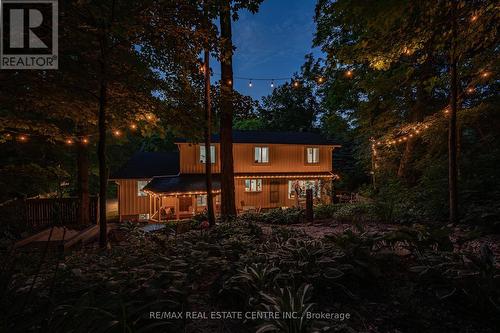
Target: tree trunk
[
  {"x": 101, "y": 148},
  {"x": 228, "y": 205},
  {"x": 416, "y": 115},
  {"x": 83, "y": 183},
  {"x": 208, "y": 134},
  {"x": 452, "y": 131}
]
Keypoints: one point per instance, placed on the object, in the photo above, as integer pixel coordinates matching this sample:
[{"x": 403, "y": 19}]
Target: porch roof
[{"x": 182, "y": 184}]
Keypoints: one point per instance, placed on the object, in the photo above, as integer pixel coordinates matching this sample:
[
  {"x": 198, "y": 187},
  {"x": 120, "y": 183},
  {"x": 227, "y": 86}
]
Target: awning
[
  {"x": 287, "y": 175},
  {"x": 182, "y": 184}
]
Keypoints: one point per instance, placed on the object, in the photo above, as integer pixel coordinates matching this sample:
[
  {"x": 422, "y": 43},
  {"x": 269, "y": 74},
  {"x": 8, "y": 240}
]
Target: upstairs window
[
  {"x": 261, "y": 154},
  {"x": 253, "y": 185},
  {"x": 203, "y": 154},
  {"x": 140, "y": 186},
  {"x": 312, "y": 154}
]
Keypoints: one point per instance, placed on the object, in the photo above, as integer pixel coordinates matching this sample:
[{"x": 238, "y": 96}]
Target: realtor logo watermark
[{"x": 29, "y": 33}]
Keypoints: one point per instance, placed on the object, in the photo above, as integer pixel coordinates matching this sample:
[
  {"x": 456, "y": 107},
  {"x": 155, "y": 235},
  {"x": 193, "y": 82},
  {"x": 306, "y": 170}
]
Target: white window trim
[
  {"x": 258, "y": 158},
  {"x": 255, "y": 185},
  {"x": 202, "y": 158},
  {"x": 314, "y": 155}
]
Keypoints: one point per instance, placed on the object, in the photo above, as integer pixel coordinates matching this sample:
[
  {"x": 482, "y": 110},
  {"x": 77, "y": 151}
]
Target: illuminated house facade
[{"x": 271, "y": 169}]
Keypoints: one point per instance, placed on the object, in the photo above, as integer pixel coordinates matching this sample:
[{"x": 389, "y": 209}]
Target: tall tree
[
  {"x": 208, "y": 121},
  {"x": 227, "y": 10},
  {"x": 415, "y": 76},
  {"x": 228, "y": 203}
]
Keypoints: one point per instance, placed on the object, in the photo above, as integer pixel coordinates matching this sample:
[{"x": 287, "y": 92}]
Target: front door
[
  {"x": 185, "y": 203},
  {"x": 274, "y": 188}
]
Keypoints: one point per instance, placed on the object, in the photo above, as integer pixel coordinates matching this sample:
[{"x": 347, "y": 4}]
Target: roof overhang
[{"x": 291, "y": 175}]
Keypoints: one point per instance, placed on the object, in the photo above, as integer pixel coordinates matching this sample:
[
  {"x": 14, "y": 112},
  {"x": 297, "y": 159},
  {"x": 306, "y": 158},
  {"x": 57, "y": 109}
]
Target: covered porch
[{"x": 180, "y": 197}]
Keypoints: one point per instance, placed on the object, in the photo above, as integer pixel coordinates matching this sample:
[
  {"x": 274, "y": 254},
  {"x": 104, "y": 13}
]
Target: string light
[
  {"x": 117, "y": 133},
  {"x": 295, "y": 84},
  {"x": 85, "y": 141},
  {"x": 485, "y": 74},
  {"x": 349, "y": 73},
  {"x": 473, "y": 18},
  {"x": 149, "y": 117},
  {"x": 320, "y": 80},
  {"x": 22, "y": 138},
  {"x": 133, "y": 127},
  {"x": 229, "y": 82},
  {"x": 250, "y": 84},
  {"x": 272, "y": 84},
  {"x": 471, "y": 90},
  {"x": 69, "y": 141}
]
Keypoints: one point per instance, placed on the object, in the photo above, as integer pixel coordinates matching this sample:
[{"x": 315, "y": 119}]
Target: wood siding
[
  {"x": 282, "y": 158},
  {"x": 129, "y": 202}
]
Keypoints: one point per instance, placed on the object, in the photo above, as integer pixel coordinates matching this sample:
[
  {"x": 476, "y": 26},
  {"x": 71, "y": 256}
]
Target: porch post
[
  {"x": 195, "y": 208},
  {"x": 177, "y": 214},
  {"x": 159, "y": 208}
]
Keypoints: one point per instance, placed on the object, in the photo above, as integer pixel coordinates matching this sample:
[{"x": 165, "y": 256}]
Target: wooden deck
[{"x": 62, "y": 238}]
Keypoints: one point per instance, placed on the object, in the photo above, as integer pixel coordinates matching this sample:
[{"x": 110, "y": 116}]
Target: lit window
[
  {"x": 300, "y": 186},
  {"x": 253, "y": 185},
  {"x": 312, "y": 155},
  {"x": 201, "y": 200},
  {"x": 203, "y": 155},
  {"x": 140, "y": 186},
  {"x": 261, "y": 154}
]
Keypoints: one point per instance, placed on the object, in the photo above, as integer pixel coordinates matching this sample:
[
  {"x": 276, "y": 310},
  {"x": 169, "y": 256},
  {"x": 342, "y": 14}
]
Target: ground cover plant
[{"x": 387, "y": 280}]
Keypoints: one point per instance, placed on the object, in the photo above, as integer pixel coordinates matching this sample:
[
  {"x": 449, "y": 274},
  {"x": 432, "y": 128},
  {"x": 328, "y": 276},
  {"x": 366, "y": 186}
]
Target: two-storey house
[{"x": 271, "y": 169}]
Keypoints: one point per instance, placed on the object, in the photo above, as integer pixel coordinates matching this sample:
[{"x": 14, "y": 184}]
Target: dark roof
[
  {"x": 181, "y": 184},
  {"x": 273, "y": 137},
  {"x": 144, "y": 165}
]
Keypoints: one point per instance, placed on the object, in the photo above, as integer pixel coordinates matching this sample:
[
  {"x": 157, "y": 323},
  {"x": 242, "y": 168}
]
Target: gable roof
[
  {"x": 145, "y": 165},
  {"x": 182, "y": 184},
  {"x": 273, "y": 137}
]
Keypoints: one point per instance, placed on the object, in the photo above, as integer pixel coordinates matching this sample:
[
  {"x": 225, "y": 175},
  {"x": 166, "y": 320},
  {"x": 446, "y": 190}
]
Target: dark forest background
[{"x": 387, "y": 69}]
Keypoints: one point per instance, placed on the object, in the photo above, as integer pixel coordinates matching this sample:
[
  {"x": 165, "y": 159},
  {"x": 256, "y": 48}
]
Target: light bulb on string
[
  {"x": 22, "y": 138},
  {"x": 250, "y": 84},
  {"x": 348, "y": 73},
  {"x": 295, "y": 84},
  {"x": 85, "y": 141},
  {"x": 229, "y": 82},
  {"x": 471, "y": 90},
  {"x": 473, "y": 18},
  {"x": 133, "y": 126},
  {"x": 272, "y": 84},
  {"x": 117, "y": 133},
  {"x": 485, "y": 74},
  {"x": 320, "y": 80},
  {"x": 69, "y": 141}
]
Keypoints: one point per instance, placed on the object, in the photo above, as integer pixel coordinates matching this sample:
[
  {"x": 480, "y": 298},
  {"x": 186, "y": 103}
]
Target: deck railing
[{"x": 36, "y": 214}]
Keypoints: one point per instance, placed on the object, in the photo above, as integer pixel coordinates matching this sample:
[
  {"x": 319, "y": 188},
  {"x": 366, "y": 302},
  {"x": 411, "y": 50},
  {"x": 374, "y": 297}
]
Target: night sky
[{"x": 271, "y": 43}]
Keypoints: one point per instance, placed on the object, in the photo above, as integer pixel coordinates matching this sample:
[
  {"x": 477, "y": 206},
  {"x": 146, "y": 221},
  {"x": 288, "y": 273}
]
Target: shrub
[
  {"x": 356, "y": 212},
  {"x": 275, "y": 216},
  {"x": 324, "y": 211}
]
